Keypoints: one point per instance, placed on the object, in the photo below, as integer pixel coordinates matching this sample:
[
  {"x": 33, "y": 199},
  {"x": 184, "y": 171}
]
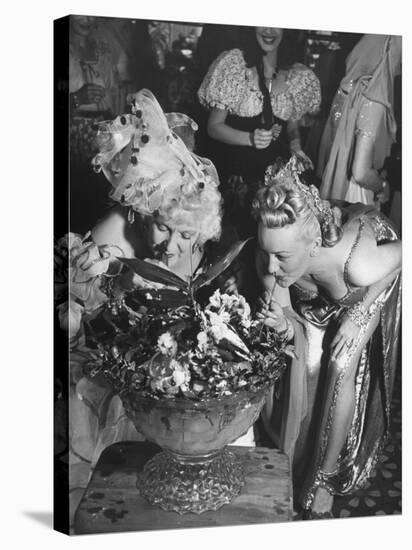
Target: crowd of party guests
[
  {"x": 335, "y": 257},
  {"x": 254, "y": 100},
  {"x": 259, "y": 94}
]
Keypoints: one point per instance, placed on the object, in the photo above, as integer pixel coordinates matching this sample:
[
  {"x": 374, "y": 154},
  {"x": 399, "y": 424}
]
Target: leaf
[
  {"x": 166, "y": 297},
  {"x": 231, "y": 347},
  {"x": 154, "y": 273},
  {"x": 180, "y": 326},
  {"x": 219, "y": 266}
]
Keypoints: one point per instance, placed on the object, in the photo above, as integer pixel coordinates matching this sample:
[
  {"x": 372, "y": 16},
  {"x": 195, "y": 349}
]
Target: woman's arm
[
  {"x": 113, "y": 229},
  {"x": 362, "y": 169},
  {"x": 369, "y": 128},
  {"x": 375, "y": 267},
  {"x": 219, "y": 130},
  {"x": 356, "y": 320},
  {"x": 372, "y": 263},
  {"x": 376, "y": 289},
  {"x": 292, "y": 129},
  {"x": 293, "y": 132}
]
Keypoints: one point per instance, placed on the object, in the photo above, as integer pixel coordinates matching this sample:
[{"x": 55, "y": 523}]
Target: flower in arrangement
[
  {"x": 217, "y": 325},
  {"x": 70, "y": 317},
  {"x": 223, "y": 387},
  {"x": 242, "y": 310},
  {"x": 202, "y": 341},
  {"x": 174, "y": 342},
  {"x": 234, "y": 305},
  {"x": 168, "y": 376},
  {"x": 167, "y": 344},
  {"x": 80, "y": 269}
]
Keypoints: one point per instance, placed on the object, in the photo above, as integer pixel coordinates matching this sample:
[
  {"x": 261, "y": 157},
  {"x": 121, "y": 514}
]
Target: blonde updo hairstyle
[
  {"x": 201, "y": 209},
  {"x": 283, "y": 203},
  {"x": 164, "y": 178}
]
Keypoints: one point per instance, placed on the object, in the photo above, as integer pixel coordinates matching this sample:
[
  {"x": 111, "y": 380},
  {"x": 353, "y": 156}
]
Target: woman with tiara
[
  {"x": 332, "y": 276},
  {"x": 361, "y": 127},
  {"x": 169, "y": 213}
]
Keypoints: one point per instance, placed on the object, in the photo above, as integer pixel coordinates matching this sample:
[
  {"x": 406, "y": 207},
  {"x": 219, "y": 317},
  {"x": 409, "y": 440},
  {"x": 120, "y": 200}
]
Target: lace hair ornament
[
  {"x": 290, "y": 173},
  {"x": 160, "y": 168}
]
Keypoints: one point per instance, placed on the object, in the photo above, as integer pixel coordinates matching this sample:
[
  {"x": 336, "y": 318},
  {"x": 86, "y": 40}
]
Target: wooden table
[{"x": 112, "y": 502}]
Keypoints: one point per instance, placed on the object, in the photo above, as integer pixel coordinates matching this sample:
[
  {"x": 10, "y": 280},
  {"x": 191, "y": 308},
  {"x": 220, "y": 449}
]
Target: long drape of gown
[{"x": 300, "y": 422}]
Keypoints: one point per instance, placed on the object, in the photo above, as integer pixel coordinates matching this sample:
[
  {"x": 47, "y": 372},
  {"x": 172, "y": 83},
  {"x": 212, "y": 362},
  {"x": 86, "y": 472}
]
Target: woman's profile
[
  {"x": 169, "y": 211},
  {"x": 337, "y": 277}
]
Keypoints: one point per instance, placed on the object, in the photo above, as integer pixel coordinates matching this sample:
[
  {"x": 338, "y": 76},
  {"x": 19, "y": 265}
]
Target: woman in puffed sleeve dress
[{"x": 256, "y": 97}]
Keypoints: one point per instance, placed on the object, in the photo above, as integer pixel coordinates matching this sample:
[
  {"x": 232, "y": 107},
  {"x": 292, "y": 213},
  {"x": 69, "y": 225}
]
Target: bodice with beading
[{"x": 383, "y": 231}]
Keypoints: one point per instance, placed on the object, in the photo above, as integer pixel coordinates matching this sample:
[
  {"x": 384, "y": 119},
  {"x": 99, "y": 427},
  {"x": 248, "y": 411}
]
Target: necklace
[{"x": 269, "y": 80}]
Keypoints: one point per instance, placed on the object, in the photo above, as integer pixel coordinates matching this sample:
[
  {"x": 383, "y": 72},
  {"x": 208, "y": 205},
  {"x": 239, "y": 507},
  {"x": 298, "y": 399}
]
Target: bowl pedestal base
[{"x": 191, "y": 484}]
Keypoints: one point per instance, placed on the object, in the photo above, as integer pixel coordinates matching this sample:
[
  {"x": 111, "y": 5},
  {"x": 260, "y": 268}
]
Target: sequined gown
[{"x": 310, "y": 394}]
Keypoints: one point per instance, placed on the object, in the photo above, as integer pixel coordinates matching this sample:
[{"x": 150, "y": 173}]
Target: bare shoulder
[
  {"x": 358, "y": 238},
  {"x": 109, "y": 226},
  {"x": 368, "y": 262},
  {"x": 356, "y": 241},
  {"x": 114, "y": 229}
]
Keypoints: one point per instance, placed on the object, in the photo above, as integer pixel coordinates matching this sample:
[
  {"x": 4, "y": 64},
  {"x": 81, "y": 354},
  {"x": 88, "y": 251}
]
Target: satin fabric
[{"x": 298, "y": 421}]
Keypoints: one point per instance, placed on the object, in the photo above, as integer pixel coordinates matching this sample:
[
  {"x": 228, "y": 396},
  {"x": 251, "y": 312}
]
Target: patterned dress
[{"x": 232, "y": 86}]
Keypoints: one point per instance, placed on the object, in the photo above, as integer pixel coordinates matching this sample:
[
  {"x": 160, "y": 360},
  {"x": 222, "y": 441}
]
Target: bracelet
[
  {"x": 359, "y": 315},
  {"x": 252, "y": 139},
  {"x": 376, "y": 306}
]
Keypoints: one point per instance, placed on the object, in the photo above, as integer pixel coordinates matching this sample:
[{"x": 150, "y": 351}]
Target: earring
[
  {"x": 315, "y": 249},
  {"x": 130, "y": 216},
  {"x": 196, "y": 246}
]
